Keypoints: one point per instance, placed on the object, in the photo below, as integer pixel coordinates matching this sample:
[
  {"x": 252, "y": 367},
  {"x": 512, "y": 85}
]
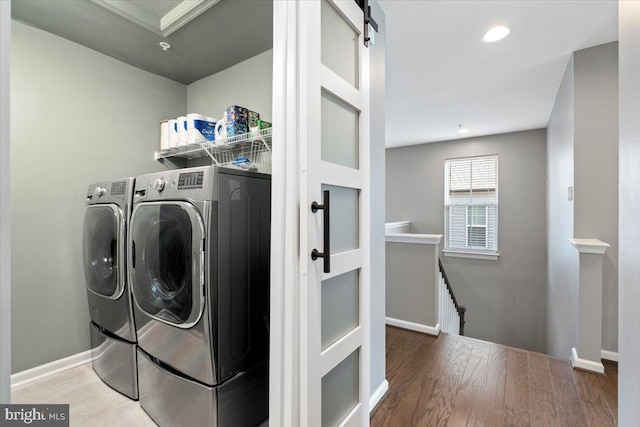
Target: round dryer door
[
  {"x": 101, "y": 249},
  {"x": 166, "y": 262}
]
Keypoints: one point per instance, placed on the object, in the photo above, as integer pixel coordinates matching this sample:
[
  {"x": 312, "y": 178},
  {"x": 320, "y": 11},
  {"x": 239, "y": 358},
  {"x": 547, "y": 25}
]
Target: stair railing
[{"x": 461, "y": 310}]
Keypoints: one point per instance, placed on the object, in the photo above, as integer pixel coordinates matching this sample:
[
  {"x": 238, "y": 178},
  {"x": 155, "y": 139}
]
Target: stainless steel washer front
[{"x": 112, "y": 329}]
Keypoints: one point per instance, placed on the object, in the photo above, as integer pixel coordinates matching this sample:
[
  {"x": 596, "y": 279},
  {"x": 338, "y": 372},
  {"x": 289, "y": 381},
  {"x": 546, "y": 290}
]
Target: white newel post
[{"x": 587, "y": 355}]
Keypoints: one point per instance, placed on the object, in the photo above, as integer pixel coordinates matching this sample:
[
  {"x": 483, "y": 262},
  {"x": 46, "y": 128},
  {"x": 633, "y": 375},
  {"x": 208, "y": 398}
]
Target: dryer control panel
[
  {"x": 190, "y": 180},
  {"x": 118, "y": 188}
]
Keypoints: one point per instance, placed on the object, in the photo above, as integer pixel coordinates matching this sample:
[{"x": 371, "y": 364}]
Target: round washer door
[
  {"x": 166, "y": 260},
  {"x": 103, "y": 240}
]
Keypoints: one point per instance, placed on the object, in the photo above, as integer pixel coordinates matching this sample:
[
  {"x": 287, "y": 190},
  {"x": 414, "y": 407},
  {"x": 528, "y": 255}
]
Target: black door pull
[{"x": 326, "y": 255}]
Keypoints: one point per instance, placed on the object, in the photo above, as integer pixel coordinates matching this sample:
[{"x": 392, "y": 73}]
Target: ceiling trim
[
  {"x": 182, "y": 14},
  {"x": 133, "y": 13},
  {"x": 168, "y": 24}
]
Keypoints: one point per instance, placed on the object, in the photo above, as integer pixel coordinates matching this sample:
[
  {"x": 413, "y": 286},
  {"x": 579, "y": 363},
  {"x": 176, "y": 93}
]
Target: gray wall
[
  {"x": 5, "y": 213},
  {"x": 583, "y": 152},
  {"x": 411, "y": 283},
  {"x": 562, "y": 258},
  {"x": 378, "y": 88},
  {"x": 77, "y": 117},
  {"x": 505, "y": 299},
  {"x": 596, "y": 168},
  {"x": 629, "y": 230},
  {"x": 247, "y": 83}
]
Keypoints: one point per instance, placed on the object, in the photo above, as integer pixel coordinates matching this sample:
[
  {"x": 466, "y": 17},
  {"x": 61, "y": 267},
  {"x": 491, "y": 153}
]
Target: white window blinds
[{"x": 471, "y": 204}]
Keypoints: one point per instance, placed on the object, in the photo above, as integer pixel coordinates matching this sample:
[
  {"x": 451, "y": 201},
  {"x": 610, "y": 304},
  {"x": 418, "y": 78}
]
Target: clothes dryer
[
  {"x": 199, "y": 257},
  {"x": 113, "y": 334}
]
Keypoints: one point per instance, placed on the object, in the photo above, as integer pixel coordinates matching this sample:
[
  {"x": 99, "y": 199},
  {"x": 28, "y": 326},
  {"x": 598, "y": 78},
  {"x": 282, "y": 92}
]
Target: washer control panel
[
  {"x": 194, "y": 184},
  {"x": 118, "y": 191}
]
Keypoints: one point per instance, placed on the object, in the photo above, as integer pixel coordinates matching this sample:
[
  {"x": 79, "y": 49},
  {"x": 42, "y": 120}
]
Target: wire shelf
[{"x": 251, "y": 151}]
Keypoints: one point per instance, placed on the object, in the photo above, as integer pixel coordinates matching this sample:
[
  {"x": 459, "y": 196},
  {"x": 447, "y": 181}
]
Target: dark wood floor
[{"x": 458, "y": 381}]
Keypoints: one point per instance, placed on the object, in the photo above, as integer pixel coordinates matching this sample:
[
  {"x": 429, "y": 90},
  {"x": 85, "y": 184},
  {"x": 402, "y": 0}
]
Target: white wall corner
[
  {"x": 51, "y": 368},
  {"x": 584, "y": 364},
  {"x": 589, "y": 246},
  {"x": 417, "y": 327},
  {"x": 377, "y": 395},
  {"x": 397, "y": 227},
  {"x": 609, "y": 355}
]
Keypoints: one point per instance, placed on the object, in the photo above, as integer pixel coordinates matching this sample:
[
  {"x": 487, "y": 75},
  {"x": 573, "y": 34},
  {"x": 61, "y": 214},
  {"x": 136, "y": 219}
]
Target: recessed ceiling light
[
  {"x": 165, "y": 46},
  {"x": 495, "y": 34},
  {"x": 462, "y": 130}
]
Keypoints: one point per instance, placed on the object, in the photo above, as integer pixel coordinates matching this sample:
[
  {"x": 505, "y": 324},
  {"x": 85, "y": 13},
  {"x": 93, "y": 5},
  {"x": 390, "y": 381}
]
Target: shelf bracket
[
  {"x": 264, "y": 142},
  {"x": 210, "y": 153}
]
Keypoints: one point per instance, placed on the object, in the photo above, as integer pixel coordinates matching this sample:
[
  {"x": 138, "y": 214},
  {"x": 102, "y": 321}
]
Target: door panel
[
  {"x": 240, "y": 273},
  {"x": 340, "y": 44},
  {"x": 344, "y": 218},
  {"x": 340, "y": 391},
  {"x": 340, "y": 137},
  {"x": 340, "y": 309}
]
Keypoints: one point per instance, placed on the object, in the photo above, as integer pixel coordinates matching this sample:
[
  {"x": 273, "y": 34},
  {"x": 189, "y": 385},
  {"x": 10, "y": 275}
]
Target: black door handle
[{"x": 326, "y": 255}]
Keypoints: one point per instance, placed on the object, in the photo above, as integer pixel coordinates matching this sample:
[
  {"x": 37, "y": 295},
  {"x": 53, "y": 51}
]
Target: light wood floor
[
  {"x": 458, "y": 381},
  {"x": 91, "y": 402}
]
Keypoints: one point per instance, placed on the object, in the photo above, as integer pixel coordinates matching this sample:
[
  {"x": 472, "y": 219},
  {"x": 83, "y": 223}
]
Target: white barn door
[
  {"x": 334, "y": 143},
  {"x": 320, "y": 286}
]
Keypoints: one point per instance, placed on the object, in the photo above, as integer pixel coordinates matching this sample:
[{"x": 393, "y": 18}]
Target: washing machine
[
  {"x": 112, "y": 331},
  {"x": 199, "y": 274}
]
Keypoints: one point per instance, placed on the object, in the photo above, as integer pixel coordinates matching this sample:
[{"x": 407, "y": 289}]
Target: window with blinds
[{"x": 471, "y": 204}]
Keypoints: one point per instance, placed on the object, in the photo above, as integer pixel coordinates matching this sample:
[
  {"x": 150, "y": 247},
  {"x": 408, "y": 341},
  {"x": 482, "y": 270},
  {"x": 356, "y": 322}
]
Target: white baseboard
[
  {"x": 377, "y": 395},
  {"x": 431, "y": 330},
  {"x": 51, "y": 368},
  {"x": 585, "y": 364},
  {"x": 609, "y": 355}
]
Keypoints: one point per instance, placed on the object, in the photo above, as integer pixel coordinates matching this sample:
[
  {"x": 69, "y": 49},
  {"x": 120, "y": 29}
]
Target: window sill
[{"x": 473, "y": 255}]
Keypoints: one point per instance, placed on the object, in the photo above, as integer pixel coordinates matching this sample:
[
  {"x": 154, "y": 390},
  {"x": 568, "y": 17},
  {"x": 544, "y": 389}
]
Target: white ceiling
[{"x": 440, "y": 74}]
